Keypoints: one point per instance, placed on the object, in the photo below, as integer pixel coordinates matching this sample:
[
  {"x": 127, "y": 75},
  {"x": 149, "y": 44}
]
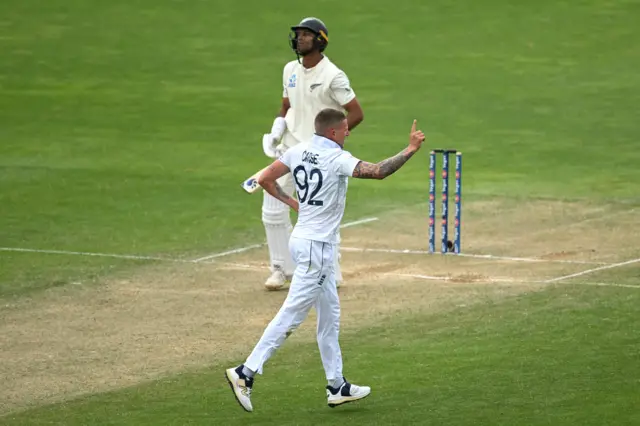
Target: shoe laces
[{"x": 247, "y": 388}]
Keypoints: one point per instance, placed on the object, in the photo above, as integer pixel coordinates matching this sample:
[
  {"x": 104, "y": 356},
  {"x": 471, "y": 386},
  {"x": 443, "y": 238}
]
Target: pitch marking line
[
  {"x": 509, "y": 280},
  {"x": 84, "y": 253},
  {"x": 606, "y": 285},
  {"x": 358, "y": 222},
  {"x": 247, "y": 248},
  {"x": 475, "y": 256},
  {"x": 228, "y": 252},
  {"x": 159, "y": 258},
  {"x": 461, "y": 279},
  {"x": 589, "y": 271}
]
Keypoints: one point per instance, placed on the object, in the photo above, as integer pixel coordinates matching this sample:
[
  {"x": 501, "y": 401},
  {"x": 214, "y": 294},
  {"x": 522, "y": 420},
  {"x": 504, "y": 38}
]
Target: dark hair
[{"x": 328, "y": 118}]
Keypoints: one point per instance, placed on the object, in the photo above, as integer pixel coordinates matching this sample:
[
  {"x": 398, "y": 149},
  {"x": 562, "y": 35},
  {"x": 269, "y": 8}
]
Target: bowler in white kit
[
  {"x": 310, "y": 84},
  {"x": 320, "y": 169}
]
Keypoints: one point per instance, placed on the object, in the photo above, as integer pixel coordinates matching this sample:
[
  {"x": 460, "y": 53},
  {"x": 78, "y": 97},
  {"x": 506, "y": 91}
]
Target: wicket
[{"x": 446, "y": 245}]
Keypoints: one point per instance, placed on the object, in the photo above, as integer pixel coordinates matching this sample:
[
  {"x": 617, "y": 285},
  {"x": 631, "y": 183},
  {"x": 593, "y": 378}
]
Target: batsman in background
[{"x": 311, "y": 83}]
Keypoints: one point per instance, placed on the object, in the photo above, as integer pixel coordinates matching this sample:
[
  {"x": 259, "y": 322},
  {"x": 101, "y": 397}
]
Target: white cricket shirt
[
  {"x": 310, "y": 91},
  {"x": 320, "y": 171}
]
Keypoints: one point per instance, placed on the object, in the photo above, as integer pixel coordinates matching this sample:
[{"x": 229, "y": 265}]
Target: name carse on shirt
[{"x": 310, "y": 157}]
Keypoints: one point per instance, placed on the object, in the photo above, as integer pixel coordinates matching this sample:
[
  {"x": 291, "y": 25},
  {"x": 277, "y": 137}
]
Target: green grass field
[{"x": 127, "y": 127}]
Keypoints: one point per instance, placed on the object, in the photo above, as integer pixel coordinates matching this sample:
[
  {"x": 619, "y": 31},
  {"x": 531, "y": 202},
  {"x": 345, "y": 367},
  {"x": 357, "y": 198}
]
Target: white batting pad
[{"x": 277, "y": 226}]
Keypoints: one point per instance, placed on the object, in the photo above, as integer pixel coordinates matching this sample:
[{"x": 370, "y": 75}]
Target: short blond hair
[{"x": 328, "y": 118}]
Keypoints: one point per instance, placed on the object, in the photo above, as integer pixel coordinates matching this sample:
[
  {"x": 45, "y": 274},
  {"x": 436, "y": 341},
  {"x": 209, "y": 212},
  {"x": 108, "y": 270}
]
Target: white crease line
[
  {"x": 155, "y": 290},
  {"x": 589, "y": 271},
  {"x": 476, "y": 256},
  {"x": 228, "y": 252},
  {"x": 462, "y": 279},
  {"x": 606, "y": 285},
  {"x": 83, "y": 253},
  {"x": 157, "y": 258},
  {"x": 530, "y": 259},
  {"x": 242, "y": 266},
  {"x": 358, "y": 222},
  {"x": 508, "y": 280},
  {"x": 247, "y": 248}
]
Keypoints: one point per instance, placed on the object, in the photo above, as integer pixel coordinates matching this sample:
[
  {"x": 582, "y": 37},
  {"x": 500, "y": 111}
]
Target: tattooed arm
[
  {"x": 384, "y": 168},
  {"x": 381, "y": 170},
  {"x": 277, "y": 191},
  {"x": 267, "y": 181}
]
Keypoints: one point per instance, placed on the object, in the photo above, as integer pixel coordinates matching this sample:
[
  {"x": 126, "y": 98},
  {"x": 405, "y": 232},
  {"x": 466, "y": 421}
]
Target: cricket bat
[{"x": 251, "y": 185}]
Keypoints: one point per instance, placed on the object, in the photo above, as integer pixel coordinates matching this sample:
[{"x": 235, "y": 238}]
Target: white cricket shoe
[
  {"x": 241, "y": 386},
  {"x": 346, "y": 393},
  {"x": 276, "y": 281}
]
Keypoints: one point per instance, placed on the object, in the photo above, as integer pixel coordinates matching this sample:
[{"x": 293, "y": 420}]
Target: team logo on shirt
[
  {"x": 313, "y": 86},
  {"x": 292, "y": 81}
]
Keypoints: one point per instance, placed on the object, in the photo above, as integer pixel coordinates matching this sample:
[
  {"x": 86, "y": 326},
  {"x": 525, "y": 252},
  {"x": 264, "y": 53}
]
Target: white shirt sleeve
[
  {"x": 285, "y": 94},
  {"x": 345, "y": 163},
  {"x": 285, "y": 80},
  {"x": 341, "y": 90},
  {"x": 286, "y": 158}
]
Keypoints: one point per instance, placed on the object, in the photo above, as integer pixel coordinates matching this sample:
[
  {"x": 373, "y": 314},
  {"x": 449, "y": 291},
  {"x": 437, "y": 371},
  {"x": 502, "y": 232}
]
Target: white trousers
[{"x": 313, "y": 284}]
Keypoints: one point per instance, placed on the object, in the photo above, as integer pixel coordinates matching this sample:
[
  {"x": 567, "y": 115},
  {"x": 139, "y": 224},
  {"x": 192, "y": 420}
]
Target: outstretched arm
[
  {"x": 381, "y": 170},
  {"x": 384, "y": 168}
]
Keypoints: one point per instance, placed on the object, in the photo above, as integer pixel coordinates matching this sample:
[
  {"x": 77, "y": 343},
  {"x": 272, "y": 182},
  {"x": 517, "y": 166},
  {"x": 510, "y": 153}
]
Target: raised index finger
[{"x": 413, "y": 126}]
